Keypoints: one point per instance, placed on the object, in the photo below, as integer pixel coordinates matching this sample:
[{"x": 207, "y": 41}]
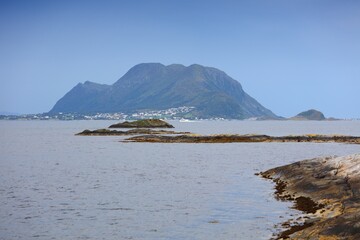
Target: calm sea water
[{"x": 54, "y": 185}]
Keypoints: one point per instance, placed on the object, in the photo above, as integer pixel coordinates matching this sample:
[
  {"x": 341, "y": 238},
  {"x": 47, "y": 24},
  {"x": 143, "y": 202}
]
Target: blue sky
[{"x": 290, "y": 55}]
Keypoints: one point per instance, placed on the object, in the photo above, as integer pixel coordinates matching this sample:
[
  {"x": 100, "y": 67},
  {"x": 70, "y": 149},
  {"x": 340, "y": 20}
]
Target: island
[
  {"x": 197, "y": 91},
  {"x": 311, "y": 114},
  {"x": 144, "y": 123},
  {"x": 327, "y": 190}
]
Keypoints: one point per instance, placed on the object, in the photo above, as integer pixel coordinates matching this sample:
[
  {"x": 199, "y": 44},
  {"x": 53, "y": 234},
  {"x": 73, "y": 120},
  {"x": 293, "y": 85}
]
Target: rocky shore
[
  {"x": 224, "y": 138},
  {"x": 327, "y": 190}
]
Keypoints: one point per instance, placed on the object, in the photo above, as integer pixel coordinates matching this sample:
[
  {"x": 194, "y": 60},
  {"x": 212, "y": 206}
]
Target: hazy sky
[{"x": 291, "y": 55}]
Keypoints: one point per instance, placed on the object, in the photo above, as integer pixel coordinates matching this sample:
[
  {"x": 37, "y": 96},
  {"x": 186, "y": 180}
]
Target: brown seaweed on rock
[
  {"x": 132, "y": 132},
  {"x": 229, "y": 138}
]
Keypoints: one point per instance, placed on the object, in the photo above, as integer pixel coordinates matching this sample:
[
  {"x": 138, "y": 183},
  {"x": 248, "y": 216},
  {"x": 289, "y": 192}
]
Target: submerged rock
[
  {"x": 327, "y": 190},
  {"x": 145, "y": 123}
]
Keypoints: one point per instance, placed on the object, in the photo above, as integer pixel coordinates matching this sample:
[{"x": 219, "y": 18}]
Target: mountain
[
  {"x": 311, "y": 114},
  {"x": 153, "y": 86}
]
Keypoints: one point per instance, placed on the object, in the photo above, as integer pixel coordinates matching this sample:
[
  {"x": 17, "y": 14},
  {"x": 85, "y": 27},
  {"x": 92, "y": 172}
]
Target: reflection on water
[{"x": 54, "y": 185}]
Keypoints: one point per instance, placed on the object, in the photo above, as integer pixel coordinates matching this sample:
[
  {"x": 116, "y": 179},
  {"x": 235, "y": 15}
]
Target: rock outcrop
[{"x": 327, "y": 190}]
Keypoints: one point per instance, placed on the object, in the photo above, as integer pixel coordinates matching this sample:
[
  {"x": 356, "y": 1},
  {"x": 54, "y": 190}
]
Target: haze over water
[{"x": 55, "y": 185}]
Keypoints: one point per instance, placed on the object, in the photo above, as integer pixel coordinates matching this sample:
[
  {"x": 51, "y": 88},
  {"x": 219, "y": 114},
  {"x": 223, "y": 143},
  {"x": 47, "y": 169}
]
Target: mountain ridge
[{"x": 155, "y": 86}]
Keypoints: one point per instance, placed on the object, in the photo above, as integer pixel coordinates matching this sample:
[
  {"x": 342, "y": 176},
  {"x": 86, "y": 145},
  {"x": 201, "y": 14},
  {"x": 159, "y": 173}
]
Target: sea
[{"x": 55, "y": 185}]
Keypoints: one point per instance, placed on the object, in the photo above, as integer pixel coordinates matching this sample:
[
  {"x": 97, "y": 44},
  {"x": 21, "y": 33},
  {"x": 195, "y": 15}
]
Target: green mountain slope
[{"x": 153, "y": 86}]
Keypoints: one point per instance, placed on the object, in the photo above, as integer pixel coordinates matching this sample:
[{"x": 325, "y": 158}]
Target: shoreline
[{"x": 327, "y": 191}]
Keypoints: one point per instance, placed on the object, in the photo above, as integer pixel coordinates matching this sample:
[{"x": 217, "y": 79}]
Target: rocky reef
[
  {"x": 224, "y": 138},
  {"x": 107, "y": 132},
  {"x": 145, "y": 123},
  {"x": 327, "y": 190}
]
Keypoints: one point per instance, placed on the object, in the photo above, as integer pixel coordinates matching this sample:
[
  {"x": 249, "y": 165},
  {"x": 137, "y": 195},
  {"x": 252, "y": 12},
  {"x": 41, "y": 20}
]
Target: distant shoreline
[{"x": 116, "y": 117}]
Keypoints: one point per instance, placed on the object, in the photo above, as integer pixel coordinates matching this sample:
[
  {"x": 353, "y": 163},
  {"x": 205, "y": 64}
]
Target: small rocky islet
[
  {"x": 138, "y": 127},
  {"x": 144, "y": 123}
]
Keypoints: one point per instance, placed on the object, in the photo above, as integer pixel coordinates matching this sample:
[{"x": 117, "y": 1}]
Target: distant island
[
  {"x": 311, "y": 114},
  {"x": 206, "y": 91}
]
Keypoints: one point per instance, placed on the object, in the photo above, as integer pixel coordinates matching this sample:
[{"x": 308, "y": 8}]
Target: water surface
[{"x": 54, "y": 185}]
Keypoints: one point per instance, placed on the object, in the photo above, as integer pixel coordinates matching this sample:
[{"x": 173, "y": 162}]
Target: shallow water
[{"x": 54, "y": 185}]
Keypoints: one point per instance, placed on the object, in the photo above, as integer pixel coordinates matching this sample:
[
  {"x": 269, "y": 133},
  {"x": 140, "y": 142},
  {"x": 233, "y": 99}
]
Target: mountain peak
[{"x": 195, "y": 65}]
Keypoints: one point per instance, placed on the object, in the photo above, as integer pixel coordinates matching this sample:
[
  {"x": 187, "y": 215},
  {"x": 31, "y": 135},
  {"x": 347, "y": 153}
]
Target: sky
[{"x": 290, "y": 55}]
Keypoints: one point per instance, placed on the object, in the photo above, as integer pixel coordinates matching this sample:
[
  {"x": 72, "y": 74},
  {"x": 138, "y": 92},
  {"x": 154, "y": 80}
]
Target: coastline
[{"x": 327, "y": 191}]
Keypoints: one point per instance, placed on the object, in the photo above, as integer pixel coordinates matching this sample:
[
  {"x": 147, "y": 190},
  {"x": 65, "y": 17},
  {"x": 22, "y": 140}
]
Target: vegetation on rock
[{"x": 144, "y": 123}]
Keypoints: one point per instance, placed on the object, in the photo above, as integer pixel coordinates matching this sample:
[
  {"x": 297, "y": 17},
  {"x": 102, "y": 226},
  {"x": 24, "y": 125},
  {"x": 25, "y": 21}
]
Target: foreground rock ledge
[
  {"x": 223, "y": 138},
  {"x": 327, "y": 190}
]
